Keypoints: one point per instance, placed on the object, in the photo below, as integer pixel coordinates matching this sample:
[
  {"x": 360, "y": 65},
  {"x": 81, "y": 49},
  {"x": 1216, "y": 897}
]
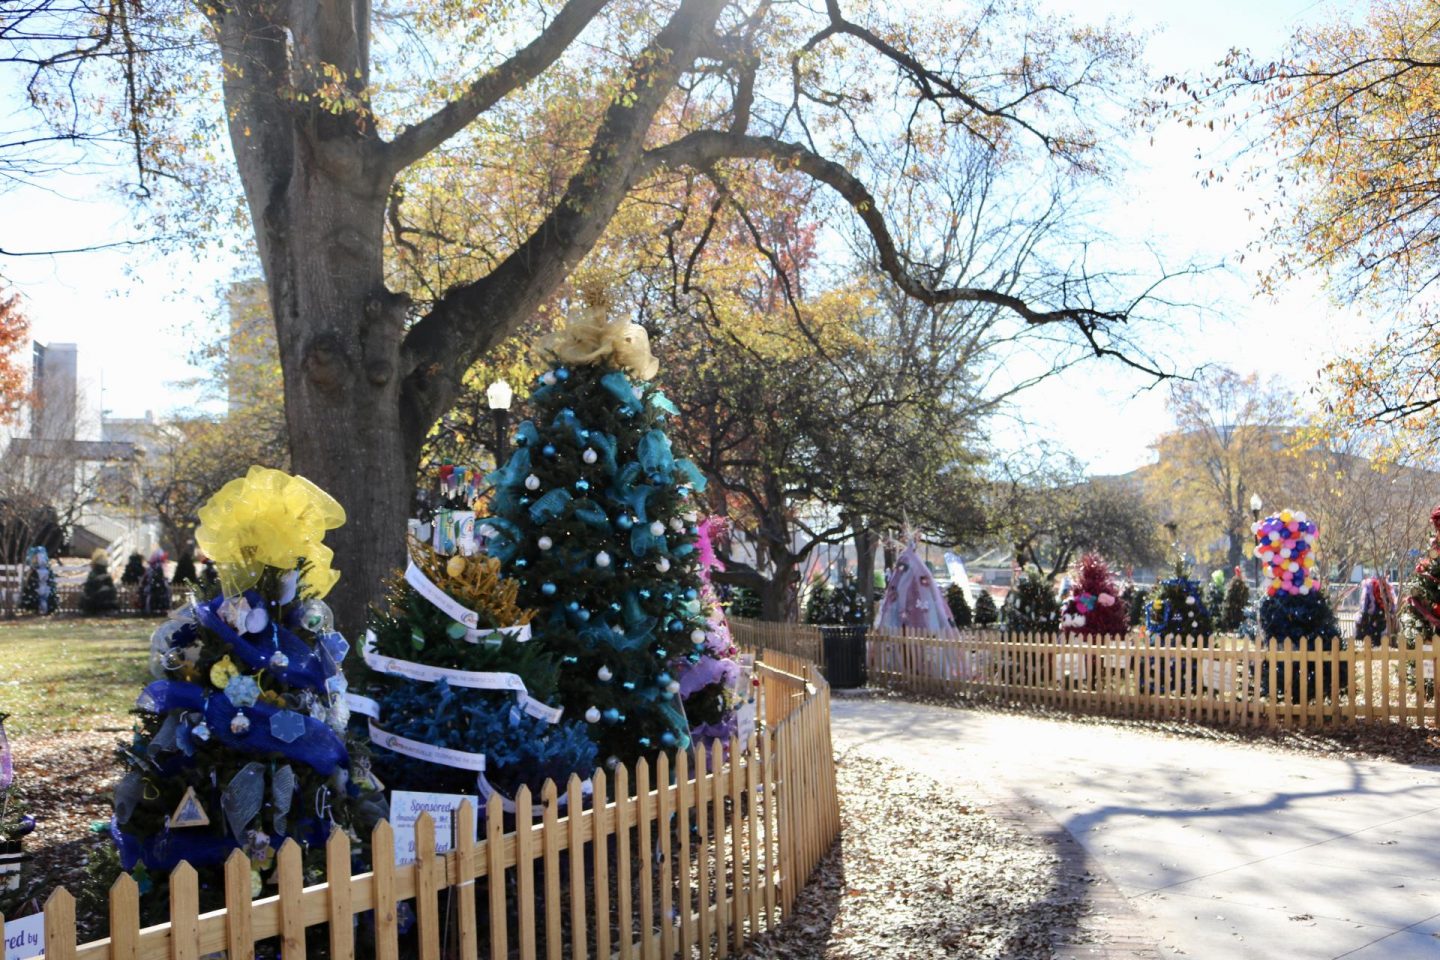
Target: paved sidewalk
[{"x": 1223, "y": 850}]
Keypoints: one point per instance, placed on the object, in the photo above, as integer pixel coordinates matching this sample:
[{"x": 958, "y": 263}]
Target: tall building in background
[
  {"x": 66, "y": 395},
  {"x": 253, "y": 361}
]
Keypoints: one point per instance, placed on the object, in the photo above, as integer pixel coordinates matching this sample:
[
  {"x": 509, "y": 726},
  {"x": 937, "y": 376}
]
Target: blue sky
[{"x": 137, "y": 312}]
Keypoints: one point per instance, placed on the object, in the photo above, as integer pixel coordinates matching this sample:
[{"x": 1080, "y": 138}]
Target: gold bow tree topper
[{"x": 590, "y": 336}]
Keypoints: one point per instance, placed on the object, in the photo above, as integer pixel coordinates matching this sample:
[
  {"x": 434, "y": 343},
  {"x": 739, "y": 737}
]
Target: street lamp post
[
  {"x": 498, "y": 396},
  {"x": 1255, "y": 506}
]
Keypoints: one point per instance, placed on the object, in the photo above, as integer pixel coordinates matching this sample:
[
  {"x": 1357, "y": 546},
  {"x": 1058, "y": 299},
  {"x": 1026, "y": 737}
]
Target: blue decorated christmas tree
[
  {"x": 241, "y": 741},
  {"x": 465, "y": 699},
  {"x": 593, "y": 514}
]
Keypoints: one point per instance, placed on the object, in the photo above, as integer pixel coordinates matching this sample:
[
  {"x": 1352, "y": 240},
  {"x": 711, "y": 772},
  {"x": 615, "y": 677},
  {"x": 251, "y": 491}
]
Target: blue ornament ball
[
  {"x": 522, "y": 563},
  {"x": 644, "y": 593},
  {"x": 691, "y": 594},
  {"x": 644, "y": 741},
  {"x": 573, "y": 605},
  {"x": 663, "y": 679},
  {"x": 676, "y": 626},
  {"x": 611, "y": 715},
  {"x": 668, "y": 738},
  {"x": 628, "y": 684},
  {"x": 661, "y": 652},
  {"x": 562, "y": 374},
  {"x": 548, "y": 450},
  {"x": 582, "y": 615},
  {"x": 582, "y": 484},
  {"x": 548, "y": 588},
  {"x": 624, "y": 521},
  {"x": 614, "y": 607}
]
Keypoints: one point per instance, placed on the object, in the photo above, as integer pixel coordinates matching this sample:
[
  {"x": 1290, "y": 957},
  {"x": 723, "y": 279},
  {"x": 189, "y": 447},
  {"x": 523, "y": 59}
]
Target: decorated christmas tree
[
  {"x": 986, "y": 613},
  {"x": 1031, "y": 606},
  {"x": 959, "y": 606},
  {"x": 467, "y": 701},
  {"x": 593, "y": 514},
  {"x": 1237, "y": 598},
  {"x": 241, "y": 739},
  {"x": 209, "y": 576},
  {"x": 134, "y": 570},
  {"x": 1422, "y": 603},
  {"x": 1137, "y": 602},
  {"x": 37, "y": 594},
  {"x": 98, "y": 594},
  {"x": 913, "y": 601},
  {"x": 1094, "y": 607},
  {"x": 1177, "y": 608},
  {"x": 154, "y": 588},
  {"x": 1295, "y": 610},
  {"x": 1294, "y": 607},
  {"x": 1215, "y": 596},
  {"x": 184, "y": 570},
  {"x": 1378, "y": 619},
  {"x": 718, "y": 694}
]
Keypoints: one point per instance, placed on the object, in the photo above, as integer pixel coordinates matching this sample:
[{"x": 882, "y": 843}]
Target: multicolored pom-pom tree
[
  {"x": 1094, "y": 607},
  {"x": 594, "y": 515},
  {"x": 1294, "y": 607},
  {"x": 241, "y": 742}
]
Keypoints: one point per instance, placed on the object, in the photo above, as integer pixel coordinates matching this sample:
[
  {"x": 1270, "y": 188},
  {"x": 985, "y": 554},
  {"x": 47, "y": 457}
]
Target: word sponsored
[
  {"x": 406, "y": 807},
  {"x": 25, "y": 937}
]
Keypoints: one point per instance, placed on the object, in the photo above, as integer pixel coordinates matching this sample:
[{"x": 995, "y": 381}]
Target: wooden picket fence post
[{"x": 764, "y": 811}]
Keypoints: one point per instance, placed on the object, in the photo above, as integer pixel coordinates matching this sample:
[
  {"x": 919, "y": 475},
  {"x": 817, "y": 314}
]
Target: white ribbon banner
[
  {"x": 452, "y": 608},
  {"x": 487, "y": 790},
  {"x": 444, "y": 756},
  {"x": 470, "y": 679},
  {"x": 442, "y": 600},
  {"x": 363, "y": 705}
]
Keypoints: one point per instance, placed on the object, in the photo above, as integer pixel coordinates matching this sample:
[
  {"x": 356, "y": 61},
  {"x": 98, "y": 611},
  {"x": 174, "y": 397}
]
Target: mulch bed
[{"x": 922, "y": 872}]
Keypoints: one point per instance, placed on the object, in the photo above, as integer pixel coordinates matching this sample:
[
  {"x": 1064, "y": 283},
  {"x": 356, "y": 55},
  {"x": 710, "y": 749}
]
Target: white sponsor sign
[
  {"x": 405, "y": 809},
  {"x": 25, "y": 937}
]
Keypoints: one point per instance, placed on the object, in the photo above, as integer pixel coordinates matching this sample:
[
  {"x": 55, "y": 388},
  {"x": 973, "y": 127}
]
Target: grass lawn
[{"x": 72, "y": 674}]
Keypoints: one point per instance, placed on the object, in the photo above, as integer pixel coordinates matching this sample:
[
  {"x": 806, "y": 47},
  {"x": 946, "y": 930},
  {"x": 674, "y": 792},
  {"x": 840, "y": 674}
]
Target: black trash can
[{"x": 844, "y": 656}]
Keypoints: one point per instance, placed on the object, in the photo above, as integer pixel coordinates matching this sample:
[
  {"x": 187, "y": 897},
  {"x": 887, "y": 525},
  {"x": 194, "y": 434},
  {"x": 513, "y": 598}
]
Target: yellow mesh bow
[
  {"x": 268, "y": 518},
  {"x": 590, "y": 337}
]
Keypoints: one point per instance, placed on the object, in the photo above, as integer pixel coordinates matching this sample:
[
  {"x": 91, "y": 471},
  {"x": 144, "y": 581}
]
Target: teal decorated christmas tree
[
  {"x": 241, "y": 739},
  {"x": 594, "y": 514}
]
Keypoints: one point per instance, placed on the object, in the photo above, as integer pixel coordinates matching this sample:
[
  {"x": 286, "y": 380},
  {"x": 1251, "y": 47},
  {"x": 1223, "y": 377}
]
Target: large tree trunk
[{"x": 339, "y": 333}]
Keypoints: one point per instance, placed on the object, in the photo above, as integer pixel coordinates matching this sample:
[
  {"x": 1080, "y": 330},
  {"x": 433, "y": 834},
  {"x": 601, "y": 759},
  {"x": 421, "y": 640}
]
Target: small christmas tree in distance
[
  {"x": 1094, "y": 608},
  {"x": 38, "y": 592},
  {"x": 1377, "y": 618},
  {"x": 959, "y": 606},
  {"x": 155, "y": 587},
  {"x": 1177, "y": 608},
  {"x": 1422, "y": 603},
  {"x": 986, "y": 613},
  {"x": 184, "y": 574},
  {"x": 1237, "y": 598},
  {"x": 1031, "y": 606},
  {"x": 593, "y": 515},
  {"x": 1215, "y": 594},
  {"x": 241, "y": 741},
  {"x": 98, "y": 595},
  {"x": 134, "y": 570}
]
